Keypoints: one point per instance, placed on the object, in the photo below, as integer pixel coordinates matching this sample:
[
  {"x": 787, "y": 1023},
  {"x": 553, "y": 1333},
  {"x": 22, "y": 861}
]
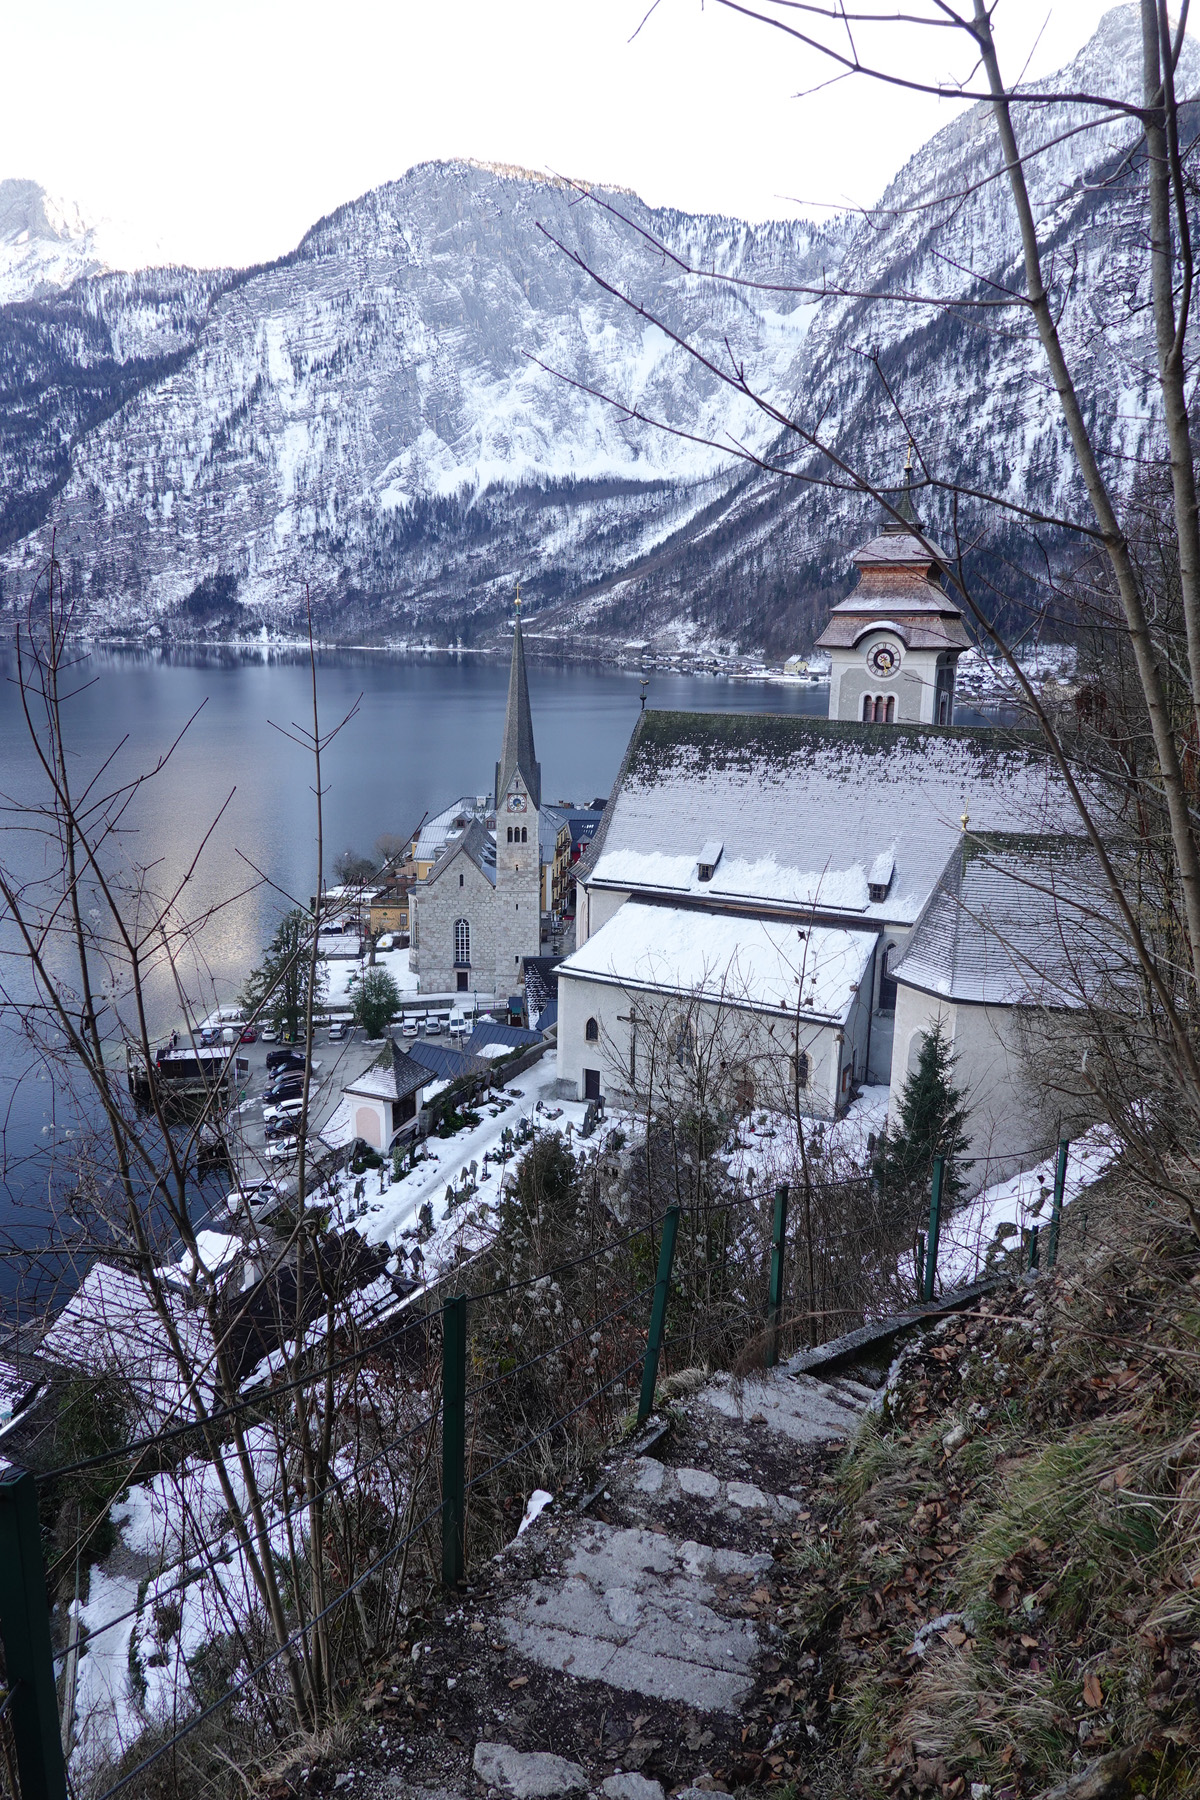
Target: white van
[{"x": 458, "y": 1025}]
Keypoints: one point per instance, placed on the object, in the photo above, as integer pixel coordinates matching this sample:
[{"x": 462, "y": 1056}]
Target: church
[
  {"x": 477, "y": 903},
  {"x": 791, "y": 903}
]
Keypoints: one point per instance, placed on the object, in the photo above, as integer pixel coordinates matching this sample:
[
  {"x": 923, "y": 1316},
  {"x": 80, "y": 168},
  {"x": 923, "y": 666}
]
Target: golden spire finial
[
  {"x": 518, "y": 596},
  {"x": 966, "y": 820}
]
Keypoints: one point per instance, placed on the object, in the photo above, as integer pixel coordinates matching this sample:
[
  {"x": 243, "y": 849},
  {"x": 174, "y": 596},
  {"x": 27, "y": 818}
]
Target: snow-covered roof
[
  {"x": 1016, "y": 921},
  {"x": 804, "y": 808},
  {"x": 475, "y": 842},
  {"x": 392, "y": 1076},
  {"x": 431, "y": 839},
  {"x": 766, "y": 964},
  {"x": 110, "y": 1323}
]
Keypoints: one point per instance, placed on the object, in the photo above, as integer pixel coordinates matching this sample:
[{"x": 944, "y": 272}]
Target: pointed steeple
[{"x": 516, "y": 750}]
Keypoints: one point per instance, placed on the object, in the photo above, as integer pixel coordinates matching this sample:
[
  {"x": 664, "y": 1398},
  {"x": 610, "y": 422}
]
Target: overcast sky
[{"x": 222, "y": 130}]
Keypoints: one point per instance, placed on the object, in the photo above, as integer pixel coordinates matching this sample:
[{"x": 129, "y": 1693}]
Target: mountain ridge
[{"x": 372, "y": 413}]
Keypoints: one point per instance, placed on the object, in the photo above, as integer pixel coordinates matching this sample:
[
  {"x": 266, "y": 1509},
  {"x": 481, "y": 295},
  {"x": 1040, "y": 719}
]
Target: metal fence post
[
  {"x": 454, "y": 1437},
  {"x": 658, "y": 1313},
  {"x": 1060, "y": 1182},
  {"x": 25, "y": 1627},
  {"x": 1033, "y": 1249},
  {"x": 935, "y": 1227},
  {"x": 775, "y": 1290}
]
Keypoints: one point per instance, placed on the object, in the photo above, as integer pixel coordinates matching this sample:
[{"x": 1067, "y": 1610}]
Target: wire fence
[{"x": 728, "y": 1261}]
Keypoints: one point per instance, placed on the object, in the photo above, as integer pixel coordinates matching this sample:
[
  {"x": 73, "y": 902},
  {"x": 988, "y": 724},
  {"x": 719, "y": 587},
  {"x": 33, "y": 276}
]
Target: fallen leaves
[{"x": 1093, "y": 1693}]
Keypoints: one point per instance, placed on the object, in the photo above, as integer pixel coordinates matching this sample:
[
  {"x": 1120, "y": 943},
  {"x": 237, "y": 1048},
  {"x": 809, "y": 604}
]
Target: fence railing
[{"x": 29, "y": 1711}]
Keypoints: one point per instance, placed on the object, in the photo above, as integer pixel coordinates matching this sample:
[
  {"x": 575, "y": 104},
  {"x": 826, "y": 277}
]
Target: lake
[{"x": 419, "y": 732}]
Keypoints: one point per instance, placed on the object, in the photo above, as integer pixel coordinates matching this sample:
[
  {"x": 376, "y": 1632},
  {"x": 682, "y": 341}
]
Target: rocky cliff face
[{"x": 406, "y": 412}]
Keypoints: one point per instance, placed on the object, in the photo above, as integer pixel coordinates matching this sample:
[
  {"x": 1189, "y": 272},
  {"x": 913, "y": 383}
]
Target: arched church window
[
  {"x": 524, "y": 834},
  {"x": 891, "y": 710},
  {"x": 868, "y": 708},
  {"x": 462, "y": 940},
  {"x": 591, "y": 1031},
  {"x": 461, "y": 879}
]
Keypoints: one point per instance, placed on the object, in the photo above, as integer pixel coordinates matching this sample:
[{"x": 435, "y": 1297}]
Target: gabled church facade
[
  {"x": 476, "y": 915},
  {"x": 769, "y": 885}
]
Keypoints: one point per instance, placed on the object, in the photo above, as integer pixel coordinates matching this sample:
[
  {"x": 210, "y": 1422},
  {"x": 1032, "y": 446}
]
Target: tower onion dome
[{"x": 516, "y": 751}]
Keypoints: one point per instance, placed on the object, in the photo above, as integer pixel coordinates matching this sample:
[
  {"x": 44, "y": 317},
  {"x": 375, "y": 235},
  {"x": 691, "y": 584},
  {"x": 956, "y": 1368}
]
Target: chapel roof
[
  {"x": 804, "y": 807},
  {"x": 900, "y": 583},
  {"x": 394, "y": 1075},
  {"x": 1017, "y": 921}
]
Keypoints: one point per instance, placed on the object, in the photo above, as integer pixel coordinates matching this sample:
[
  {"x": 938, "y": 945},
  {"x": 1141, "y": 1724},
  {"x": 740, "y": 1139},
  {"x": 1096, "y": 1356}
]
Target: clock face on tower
[
  {"x": 516, "y": 803},
  {"x": 883, "y": 659}
]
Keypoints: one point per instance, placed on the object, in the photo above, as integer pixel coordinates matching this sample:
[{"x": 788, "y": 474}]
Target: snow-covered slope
[
  {"x": 46, "y": 243},
  {"x": 383, "y": 413}
]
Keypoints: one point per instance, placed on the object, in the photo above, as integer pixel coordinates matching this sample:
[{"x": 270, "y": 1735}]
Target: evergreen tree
[
  {"x": 278, "y": 989},
  {"x": 375, "y": 1001},
  {"x": 931, "y": 1123}
]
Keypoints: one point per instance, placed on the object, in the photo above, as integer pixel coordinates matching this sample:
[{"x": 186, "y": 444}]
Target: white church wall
[
  {"x": 738, "y": 1049},
  {"x": 1005, "y": 1126},
  {"x": 594, "y": 908}
]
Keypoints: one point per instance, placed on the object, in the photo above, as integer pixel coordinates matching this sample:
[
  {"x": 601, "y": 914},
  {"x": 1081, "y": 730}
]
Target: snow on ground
[
  {"x": 344, "y": 974},
  {"x": 767, "y": 1149},
  {"x": 106, "y": 1722},
  {"x": 383, "y": 1210},
  {"x": 1002, "y": 1212}
]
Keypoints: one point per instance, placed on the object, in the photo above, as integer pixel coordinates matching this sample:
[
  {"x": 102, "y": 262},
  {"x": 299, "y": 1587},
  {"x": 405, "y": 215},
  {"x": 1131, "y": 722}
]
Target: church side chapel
[{"x": 806, "y": 898}]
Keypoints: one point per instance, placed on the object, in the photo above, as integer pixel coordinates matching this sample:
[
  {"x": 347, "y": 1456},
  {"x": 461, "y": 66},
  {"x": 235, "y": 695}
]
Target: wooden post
[
  {"x": 775, "y": 1290},
  {"x": 935, "y": 1226},
  {"x": 454, "y": 1437},
  {"x": 25, "y": 1627},
  {"x": 1060, "y": 1182},
  {"x": 658, "y": 1314}
]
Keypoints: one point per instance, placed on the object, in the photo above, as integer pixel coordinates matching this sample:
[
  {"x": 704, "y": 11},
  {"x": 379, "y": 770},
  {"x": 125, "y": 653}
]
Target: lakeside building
[{"x": 780, "y": 901}]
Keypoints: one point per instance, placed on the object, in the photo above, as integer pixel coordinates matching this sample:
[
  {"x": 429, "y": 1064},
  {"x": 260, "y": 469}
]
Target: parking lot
[{"x": 333, "y": 1065}]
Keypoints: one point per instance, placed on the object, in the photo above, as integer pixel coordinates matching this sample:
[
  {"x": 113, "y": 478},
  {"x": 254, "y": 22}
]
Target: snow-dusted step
[
  {"x": 651, "y": 1489},
  {"x": 638, "y": 1611},
  {"x": 799, "y": 1407}
]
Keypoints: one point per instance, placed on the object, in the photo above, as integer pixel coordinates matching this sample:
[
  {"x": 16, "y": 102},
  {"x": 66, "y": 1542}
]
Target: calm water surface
[{"x": 422, "y": 732}]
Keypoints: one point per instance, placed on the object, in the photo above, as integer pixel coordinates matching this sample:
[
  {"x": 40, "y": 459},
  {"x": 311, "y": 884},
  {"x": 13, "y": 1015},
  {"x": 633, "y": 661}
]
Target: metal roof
[{"x": 1017, "y": 921}]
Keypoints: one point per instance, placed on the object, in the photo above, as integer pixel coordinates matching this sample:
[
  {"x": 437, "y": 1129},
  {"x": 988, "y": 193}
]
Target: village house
[{"x": 776, "y": 890}]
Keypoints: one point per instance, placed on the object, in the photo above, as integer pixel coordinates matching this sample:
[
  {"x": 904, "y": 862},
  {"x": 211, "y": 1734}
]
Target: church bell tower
[
  {"x": 895, "y": 641},
  {"x": 518, "y": 798}
]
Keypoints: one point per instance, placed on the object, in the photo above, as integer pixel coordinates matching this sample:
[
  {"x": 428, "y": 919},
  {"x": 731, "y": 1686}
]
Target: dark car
[
  {"x": 282, "y": 1128},
  {"x": 283, "y": 1090},
  {"x": 284, "y": 1059}
]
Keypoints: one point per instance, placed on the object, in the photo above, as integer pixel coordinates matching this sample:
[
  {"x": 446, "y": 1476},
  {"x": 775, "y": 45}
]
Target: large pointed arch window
[{"x": 462, "y": 941}]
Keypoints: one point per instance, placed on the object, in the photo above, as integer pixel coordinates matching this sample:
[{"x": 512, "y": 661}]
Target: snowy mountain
[
  {"x": 383, "y": 414},
  {"x": 46, "y": 243}
]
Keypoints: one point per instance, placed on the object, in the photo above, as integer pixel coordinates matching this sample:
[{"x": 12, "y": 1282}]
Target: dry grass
[{"x": 1064, "y": 1534}]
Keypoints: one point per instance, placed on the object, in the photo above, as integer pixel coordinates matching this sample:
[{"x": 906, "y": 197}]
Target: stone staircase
[{"x": 618, "y": 1649}]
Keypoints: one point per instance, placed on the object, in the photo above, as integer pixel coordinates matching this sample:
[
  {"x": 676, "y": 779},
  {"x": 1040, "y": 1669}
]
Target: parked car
[
  {"x": 410, "y": 1029},
  {"x": 283, "y": 1109},
  {"x": 284, "y": 1059},
  {"x": 433, "y": 1028},
  {"x": 286, "y": 1090},
  {"x": 270, "y": 1035},
  {"x": 337, "y": 1031},
  {"x": 458, "y": 1025},
  {"x": 282, "y": 1128},
  {"x": 249, "y": 1035}
]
